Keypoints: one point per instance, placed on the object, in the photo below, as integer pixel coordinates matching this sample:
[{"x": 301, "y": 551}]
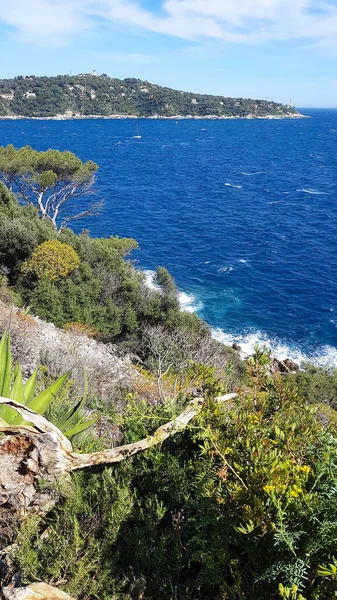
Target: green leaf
[
  {"x": 29, "y": 388},
  {"x": 5, "y": 365},
  {"x": 16, "y": 393},
  {"x": 76, "y": 409},
  {"x": 5, "y": 375},
  {"x": 79, "y": 428},
  {"x": 17, "y": 389},
  {"x": 43, "y": 400}
]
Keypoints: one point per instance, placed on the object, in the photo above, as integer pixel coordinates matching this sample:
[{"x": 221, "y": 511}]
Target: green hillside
[{"x": 84, "y": 95}]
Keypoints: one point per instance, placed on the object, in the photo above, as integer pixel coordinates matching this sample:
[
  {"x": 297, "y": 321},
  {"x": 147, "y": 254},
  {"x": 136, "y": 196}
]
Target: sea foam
[
  {"x": 311, "y": 191},
  {"x": 324, "y": 356},
  {"x": 188, "y": 302},
  {"x": 233, "y": 186}
]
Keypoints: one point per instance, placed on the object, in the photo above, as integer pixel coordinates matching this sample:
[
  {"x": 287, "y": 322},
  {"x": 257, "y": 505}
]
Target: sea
[{"x": 243, "y": 213}]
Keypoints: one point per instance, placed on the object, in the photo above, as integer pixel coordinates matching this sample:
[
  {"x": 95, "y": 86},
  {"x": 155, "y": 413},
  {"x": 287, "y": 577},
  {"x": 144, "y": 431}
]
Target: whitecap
[
  {"x": 233, "y": 186},
  {"x": 250, "y": 174},
  {"x": 324, "y": 356},
  {"x": 188, "y": 302},
  {"x": 149, "y": 279},
  {"x": 275, "y": 202},
  {"x": 242, "y": 260},
  {"x": 311, "y": 191},
  {"x": 225, "y": 269}
]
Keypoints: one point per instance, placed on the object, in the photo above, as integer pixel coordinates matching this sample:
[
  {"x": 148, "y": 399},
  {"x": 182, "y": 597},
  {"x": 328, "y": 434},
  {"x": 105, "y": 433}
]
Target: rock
[
  {"x": 34, "y": 591},
  {"x": 236, "y": 347},
  {"x": 283, "y": 366},
  {"x": 292, "y": 366}
]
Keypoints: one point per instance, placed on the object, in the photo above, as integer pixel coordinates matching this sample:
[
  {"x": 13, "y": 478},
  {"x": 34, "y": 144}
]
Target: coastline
[
  {"x": 76, "y": 117},
  {"x": 324, "y": 357}
]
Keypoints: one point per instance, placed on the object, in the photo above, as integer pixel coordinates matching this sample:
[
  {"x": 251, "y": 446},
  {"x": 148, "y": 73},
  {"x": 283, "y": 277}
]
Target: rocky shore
[{"x": 75, "y": 117}]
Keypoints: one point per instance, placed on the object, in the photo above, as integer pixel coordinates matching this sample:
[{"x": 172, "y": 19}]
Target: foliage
[
  {"x": 50, "y": 180},
  {"x": 77, "y": 328},
  {"x": 71, "y": 423},
  {"x": 20, "y": 232},
  {"x": 317, "y": 384},
  {"x": 53, "y": 260},
  {"x": 101, "y": 95},
  {"x": 242, "y": 504}
]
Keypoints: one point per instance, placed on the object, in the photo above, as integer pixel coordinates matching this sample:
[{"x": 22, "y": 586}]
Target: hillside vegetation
[{"x": 83, "y": 95}]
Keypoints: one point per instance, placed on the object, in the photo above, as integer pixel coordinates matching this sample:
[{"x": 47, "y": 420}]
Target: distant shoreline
[{"x": 67, "y": 117}]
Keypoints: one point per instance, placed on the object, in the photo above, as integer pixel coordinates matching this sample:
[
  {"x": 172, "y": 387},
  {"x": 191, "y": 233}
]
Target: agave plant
[{"x": 12, "y": 386}]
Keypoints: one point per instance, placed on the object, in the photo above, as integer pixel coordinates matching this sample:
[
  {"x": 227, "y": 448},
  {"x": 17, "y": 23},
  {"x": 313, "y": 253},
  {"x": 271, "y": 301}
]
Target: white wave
[
  {"x": 325, "y": 356},
  {"x": 250, "y": 174},
  {"x": 242, "y": 260},
  {"x": 188, "y": 302},
  {"x": 233, "y": 186},
  {"x": 274, "y": 202},
  {"x": 226, "y": 269},
  {"x": 311, "y": 191},
  {"x": 149, "y": 279}
]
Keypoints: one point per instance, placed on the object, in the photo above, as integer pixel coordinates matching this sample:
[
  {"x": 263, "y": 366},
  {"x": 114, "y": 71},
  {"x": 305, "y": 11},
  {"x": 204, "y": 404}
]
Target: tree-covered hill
[{"x": 84, "y": 95}]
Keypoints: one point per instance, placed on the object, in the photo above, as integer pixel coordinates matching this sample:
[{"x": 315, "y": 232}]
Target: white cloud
[
  {"x": 240, "y": 21},
  {"x": 44, "y": 21}
]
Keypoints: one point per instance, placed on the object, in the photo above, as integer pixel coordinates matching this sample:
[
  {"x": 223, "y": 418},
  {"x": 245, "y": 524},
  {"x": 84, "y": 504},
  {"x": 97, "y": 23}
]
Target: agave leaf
[
  {"x": 43, "y": 400},
  {"x": 6, "y": 365},
  {"x": 17, "y": 388},
  {"x": 75, "y": 410},
  {"x": 5, "y": 375},
  {"x": 29, "y": 388},
  {"x": 3, "y": 359},
  {"x": 16, "y": 394},
  {"x": 79, "y": 428}
]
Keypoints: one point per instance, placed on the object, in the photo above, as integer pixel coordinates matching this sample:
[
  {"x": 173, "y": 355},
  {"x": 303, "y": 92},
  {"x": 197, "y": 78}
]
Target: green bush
[{"x": 242, "y": 504}]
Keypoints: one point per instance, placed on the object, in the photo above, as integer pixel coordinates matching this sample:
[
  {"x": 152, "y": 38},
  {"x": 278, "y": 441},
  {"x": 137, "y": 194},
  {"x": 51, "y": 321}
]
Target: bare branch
[
  {"x": 72, "y": 461},
  {"x": 93, "y": 210}
]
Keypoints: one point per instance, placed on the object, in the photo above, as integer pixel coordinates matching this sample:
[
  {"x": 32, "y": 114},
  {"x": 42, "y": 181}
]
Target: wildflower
[
  {"x": 305, "y": 469},
  {"x": 268, "y": 488},
  {"x": 296, "y": 491}
]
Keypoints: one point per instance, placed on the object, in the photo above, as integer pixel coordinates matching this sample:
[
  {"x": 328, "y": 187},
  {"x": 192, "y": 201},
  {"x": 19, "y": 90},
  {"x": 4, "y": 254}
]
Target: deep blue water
[{"x": 243, "y": 214}]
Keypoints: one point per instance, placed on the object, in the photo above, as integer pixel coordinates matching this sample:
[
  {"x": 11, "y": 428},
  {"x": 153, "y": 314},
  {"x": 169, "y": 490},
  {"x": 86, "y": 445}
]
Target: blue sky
[{"x": 278, "y": 49}]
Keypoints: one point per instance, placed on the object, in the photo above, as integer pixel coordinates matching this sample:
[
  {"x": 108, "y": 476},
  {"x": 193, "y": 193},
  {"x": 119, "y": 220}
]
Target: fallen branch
[
  {"x": 38, "y": 450},
  {"x": 34, "y": 591},
  {"x": 115, "y": 455}
]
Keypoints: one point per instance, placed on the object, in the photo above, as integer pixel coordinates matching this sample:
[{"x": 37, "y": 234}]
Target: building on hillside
[{"x": 9, "y": 96}]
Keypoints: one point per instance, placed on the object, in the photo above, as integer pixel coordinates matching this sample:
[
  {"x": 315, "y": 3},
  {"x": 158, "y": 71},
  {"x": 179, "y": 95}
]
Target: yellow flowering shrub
[{"x": 53, "y": 260}]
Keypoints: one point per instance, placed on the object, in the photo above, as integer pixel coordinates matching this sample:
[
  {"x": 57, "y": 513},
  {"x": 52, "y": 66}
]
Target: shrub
[
  {"x": 77, "y": 328},
  {"x": 53, "y": 260},
  {"x": 242, "y": 504}
]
